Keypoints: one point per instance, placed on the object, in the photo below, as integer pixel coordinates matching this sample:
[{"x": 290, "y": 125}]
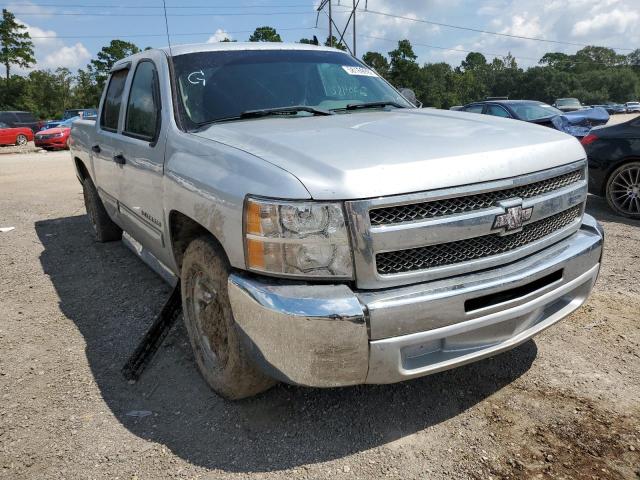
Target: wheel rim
[
  {"x": 209, "y": 320},
  {"x": 21, "y": 140},
  {"x": 625, "y": 190}
]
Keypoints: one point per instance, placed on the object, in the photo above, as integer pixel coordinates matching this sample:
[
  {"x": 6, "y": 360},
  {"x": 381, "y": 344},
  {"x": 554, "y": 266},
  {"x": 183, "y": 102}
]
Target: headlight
[
  {"x": 305, "y": 239},
  {"x": 60, "y": 134}
]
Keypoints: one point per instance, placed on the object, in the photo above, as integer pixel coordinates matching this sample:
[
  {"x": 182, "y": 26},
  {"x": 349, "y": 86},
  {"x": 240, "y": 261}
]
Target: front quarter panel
[{"x": 208, "y": 182}]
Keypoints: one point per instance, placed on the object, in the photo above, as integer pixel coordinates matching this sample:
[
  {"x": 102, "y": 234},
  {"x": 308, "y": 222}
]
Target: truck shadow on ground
[{"x": 112, "y": 298}]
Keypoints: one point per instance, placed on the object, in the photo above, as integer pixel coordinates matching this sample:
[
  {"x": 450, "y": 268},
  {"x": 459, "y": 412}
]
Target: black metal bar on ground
[{"x": 154, "y": 337}]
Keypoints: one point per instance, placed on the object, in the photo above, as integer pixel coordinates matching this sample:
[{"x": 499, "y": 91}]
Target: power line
[
  {"x": 477, "y": 30},
  {"x": 152, "y": 7},
  {"x": 109, "y": 14},
  {"x": 144, "y": 35}
]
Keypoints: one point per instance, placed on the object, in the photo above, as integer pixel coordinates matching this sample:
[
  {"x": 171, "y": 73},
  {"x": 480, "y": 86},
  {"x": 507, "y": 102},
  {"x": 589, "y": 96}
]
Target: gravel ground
[{"x": 72, "y": 310}]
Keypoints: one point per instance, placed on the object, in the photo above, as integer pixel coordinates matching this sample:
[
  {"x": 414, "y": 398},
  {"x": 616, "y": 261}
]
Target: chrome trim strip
[{"x": 368, "y": 240}]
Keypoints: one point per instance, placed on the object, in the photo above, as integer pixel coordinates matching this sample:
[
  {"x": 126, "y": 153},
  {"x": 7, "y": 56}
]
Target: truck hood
[{"x": 376, "y": 153}]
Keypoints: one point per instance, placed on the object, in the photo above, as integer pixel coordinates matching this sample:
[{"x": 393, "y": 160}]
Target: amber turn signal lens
[
  {"x": 253, "y": 218},
  {"x": 255, "y": 254}
]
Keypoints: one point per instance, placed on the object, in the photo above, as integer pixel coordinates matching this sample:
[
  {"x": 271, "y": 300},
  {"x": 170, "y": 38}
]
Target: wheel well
[
  {"x": 81, "y": 168},
  {"x": 183, "y": 231}
]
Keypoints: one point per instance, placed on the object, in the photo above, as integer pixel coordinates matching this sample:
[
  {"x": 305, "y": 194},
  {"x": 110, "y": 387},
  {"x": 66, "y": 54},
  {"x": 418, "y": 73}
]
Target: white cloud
[
  {"x": 72, "y": 57},
  {"x": 219, "y": 36},
  {"x": 52, "y": 52},
  {"x": 594, "y": 22},
  {"x": 616, "y": 20}
]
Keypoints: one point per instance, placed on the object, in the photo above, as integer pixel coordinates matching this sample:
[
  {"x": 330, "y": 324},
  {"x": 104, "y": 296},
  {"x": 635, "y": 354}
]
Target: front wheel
[
  {"x": 21, "y": 139},
  {"x": 623, "y": 190},
  {"x": 214, "y": 335}
]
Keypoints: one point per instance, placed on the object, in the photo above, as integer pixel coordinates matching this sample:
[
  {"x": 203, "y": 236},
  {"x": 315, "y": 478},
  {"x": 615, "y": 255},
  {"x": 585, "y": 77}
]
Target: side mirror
[{"x": 410, "y": 95}]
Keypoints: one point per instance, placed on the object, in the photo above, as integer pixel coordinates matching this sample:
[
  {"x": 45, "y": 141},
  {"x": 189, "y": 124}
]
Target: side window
[
  {"x": 25, "y": 117},
  {"x": 142, "y": 108},
  {"x": 112, "y": 101},
  {"x": 474, "y": 108},
  {"x": 3, "y": 125},
  {"x": 497, "y": 111}
]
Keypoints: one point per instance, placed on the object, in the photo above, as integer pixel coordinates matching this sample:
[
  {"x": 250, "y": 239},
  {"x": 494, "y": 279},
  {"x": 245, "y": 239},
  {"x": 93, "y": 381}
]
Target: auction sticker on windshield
[{"x": 359, "y": 71}]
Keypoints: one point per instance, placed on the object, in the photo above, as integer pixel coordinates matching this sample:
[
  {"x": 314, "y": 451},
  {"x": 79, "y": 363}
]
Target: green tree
[
  {"x": 404, "y": 72},
  {"x": 107, "y": 56},
  {"x": 336, "y": 44},
  {"x": 86, "y": 92},
  {"x": 309, "y": 41},
  {"x": 378, "y": 62},
  {"x": 265, "y": 34},
  {"x": 16, "y": 47},
  {"x": 474, "y": 61}
]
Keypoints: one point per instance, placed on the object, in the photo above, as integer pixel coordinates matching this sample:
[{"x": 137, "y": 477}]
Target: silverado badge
[{"x": 513, "y": 218}]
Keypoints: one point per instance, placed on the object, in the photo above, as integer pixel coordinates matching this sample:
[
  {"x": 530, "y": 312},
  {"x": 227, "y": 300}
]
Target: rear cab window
[
  {"x": 113, "y": 100},
  {"x": 143, "y": 107}
]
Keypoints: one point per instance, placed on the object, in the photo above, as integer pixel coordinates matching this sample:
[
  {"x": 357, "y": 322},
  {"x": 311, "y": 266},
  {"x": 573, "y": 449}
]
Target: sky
[{"x": 66, "y": 36}]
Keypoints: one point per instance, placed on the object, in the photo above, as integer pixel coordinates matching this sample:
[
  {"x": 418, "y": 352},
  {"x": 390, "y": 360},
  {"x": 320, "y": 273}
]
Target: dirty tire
[
  {"x": 213, "y": 332},
  {"x": 623, "y": 190},
  {"x": 21, "y": 140},
  {"x": 103, "y": 227}
]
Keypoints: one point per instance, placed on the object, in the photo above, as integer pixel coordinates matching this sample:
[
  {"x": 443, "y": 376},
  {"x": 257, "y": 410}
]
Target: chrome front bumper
[{"x": 329, "y": 335}]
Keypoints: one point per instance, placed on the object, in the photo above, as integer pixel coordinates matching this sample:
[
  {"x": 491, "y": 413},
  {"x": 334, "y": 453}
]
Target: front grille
[
  {"x": 450, "y": 206},
  {"x": 473, "y": 248},
  {"x": 46, "y": 137}
]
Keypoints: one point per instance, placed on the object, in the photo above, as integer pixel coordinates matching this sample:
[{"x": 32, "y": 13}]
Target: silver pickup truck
[{"x": 324, "y": 231}]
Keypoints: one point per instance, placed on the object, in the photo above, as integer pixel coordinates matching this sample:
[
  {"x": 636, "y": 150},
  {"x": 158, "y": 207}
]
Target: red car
[
  {"x": 14, "y": 135},
  {"x": 55, "y": 138}
]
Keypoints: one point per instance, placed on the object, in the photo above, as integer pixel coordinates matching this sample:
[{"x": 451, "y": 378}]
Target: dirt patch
[
  {"x": 563, "y": 406},
  {"x": 28, "y": 148}
]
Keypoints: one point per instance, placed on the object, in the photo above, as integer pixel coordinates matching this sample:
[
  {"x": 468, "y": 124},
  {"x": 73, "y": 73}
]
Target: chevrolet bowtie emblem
[{"x": 513, "y": 219}]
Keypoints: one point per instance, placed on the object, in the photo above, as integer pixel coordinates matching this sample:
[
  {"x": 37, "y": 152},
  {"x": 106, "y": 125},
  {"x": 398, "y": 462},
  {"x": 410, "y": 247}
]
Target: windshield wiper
[
  {"x": 284, "y": 111},
  {"x": 359, "y": 106},
  {"x": 265, "y": 112}
]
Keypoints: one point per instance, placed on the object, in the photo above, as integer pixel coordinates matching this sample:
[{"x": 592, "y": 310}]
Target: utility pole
[{"x": 332, "y": 24}]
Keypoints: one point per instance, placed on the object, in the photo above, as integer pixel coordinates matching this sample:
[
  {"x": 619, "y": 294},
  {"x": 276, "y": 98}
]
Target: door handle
[
  {"x": 96, "y": 148},
  {"x": 119, "y": 159}
]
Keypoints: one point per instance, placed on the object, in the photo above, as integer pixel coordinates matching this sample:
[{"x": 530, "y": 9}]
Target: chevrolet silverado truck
[{"x": 324, "y": 231}]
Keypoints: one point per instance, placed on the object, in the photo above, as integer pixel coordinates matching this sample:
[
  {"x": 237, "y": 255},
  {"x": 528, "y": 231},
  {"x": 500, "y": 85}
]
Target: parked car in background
[
  {"x": 611, "y": 108},
  {"x": 50, "y": 124},
  {"x": 55, "y": 138},
  {"x": 86, "y": 113},
  {"x": 525, "y": 110},
  {"x": 568, "y": 104},
  {"x": 14, "y": 135},
  {"x": 576, "y": 123},
  {"x": 614, "y": 165},
  {"x": 632, "y": 107},
  {"x": 20, "y": 119}
]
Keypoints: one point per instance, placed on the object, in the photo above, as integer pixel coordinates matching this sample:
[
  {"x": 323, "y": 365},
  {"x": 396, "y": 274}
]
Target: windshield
[
  {"x": 568, "y": 102},
  {"x": 67, "y": 123},
  {"x": 633, "y": 104},
  {"x": 221, "y": 85},
  {"x": 535, "y": 111}
]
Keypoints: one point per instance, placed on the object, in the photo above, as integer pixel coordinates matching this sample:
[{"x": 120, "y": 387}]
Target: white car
[{"x": 632, "y": 107}]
